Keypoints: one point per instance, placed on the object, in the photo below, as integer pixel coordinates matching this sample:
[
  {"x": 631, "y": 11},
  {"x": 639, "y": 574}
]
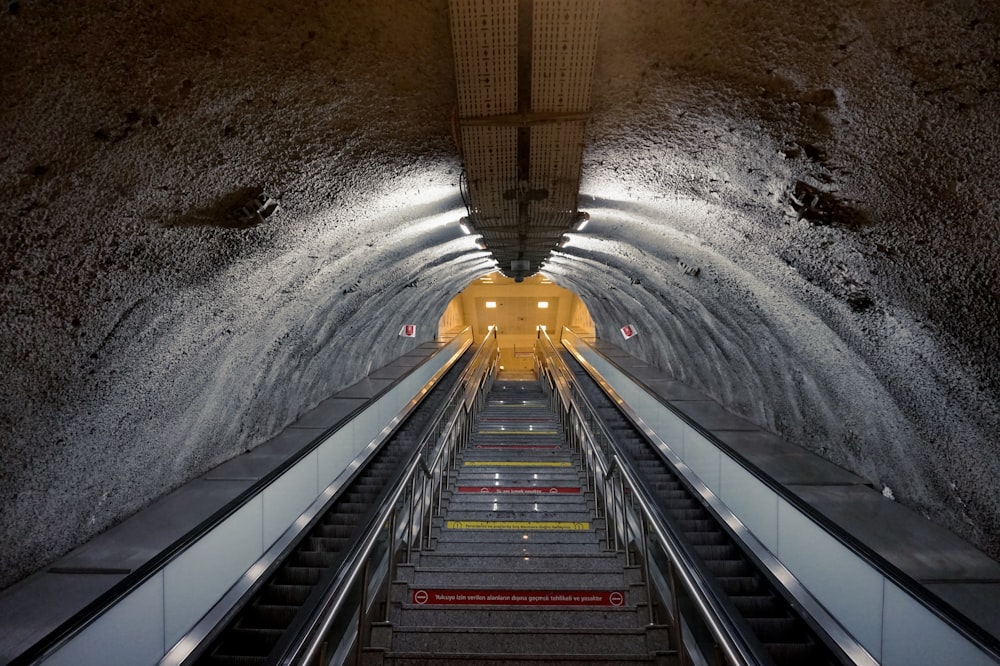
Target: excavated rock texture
[{"x": 793, "y": 201}]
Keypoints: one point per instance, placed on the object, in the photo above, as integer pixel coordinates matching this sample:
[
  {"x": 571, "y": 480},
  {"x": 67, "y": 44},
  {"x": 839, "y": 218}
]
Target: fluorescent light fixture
[
  {"x": 540, "y": 327},
  {"x": 490, "y": 305},
  {"x": 563, "y": 242},
  {"x": 543, "y": 304},
  {"x": 480, "y": 243},
  {"x": 582, "y": 219},
  {"x": 463, "y": 224}
]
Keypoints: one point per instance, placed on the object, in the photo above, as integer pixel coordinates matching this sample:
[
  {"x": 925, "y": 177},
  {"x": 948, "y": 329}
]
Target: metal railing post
[
  {"x": 677, "y": 636},
  {"x": 409, "y": 520},
  {"x": 624, "y": 521},
  {"x": 391, "y": 569},
  {"x": 365, "y": 572},
  {"x": 644, "y": 534}
]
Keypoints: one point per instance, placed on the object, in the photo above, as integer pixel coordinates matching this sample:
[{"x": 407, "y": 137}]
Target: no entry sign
[{"x": 447, "y": 597}]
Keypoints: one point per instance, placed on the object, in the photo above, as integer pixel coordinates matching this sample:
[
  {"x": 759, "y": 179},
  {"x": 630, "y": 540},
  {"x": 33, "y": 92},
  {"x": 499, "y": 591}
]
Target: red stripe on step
[
  {"x": 498, "y": 420},
  {"x": 519, "y": 490},
  {"x": 432, "y": 597},
  {"x": 518, "y": 446}
]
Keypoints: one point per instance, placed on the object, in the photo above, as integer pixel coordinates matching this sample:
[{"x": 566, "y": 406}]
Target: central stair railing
[{"x": 336, "y": 629}]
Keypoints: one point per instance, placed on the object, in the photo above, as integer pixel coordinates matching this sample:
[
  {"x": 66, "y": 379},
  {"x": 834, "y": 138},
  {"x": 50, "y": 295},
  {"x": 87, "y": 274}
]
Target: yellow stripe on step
[
  {"x": 552, "y": 525},
  {"x": 513, "y": 463}
]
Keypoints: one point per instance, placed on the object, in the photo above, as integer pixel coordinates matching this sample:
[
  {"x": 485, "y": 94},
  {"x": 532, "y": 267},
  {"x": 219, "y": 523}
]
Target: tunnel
[{"x": 791, "y": 204}]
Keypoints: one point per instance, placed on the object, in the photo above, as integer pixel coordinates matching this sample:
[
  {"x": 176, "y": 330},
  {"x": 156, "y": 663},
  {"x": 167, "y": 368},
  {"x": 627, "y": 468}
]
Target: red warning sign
[
  {"x": 518, "y": 490},
  {"x": 425, "y": 597}
]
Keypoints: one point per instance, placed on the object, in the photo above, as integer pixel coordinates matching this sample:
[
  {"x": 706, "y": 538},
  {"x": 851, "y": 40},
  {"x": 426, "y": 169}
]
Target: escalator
[
  {"x": 296, "y": 584},
  {"x": 783, "y": 632}
]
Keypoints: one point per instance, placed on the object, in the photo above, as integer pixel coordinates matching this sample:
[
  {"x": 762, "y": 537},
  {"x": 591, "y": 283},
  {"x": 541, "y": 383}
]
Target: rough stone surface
[{"x": 794, "y": 202}]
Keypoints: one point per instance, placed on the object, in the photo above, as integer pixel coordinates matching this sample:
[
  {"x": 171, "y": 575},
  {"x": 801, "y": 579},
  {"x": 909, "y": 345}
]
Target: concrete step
[
  {"x": 495, "y": 536},
  {"x": 482, "y": 475},
  {"x": 377, "y": 657},
  {"x": 550, "y": 618},
  {"x": 520, "y": 641},
  {"x": 574, "y": 515},
  {"x": 512, "y": 547},
  {"x": 583, "y": 562},
  {"x": 516, "y": 579},
  {"x": 533, "y": 502}
]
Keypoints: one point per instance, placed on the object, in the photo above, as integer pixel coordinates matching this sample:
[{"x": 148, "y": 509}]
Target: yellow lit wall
[{"x": 516, "y": 315}]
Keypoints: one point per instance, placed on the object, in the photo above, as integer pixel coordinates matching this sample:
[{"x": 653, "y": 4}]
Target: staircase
[{"x": 518, "y": 570}]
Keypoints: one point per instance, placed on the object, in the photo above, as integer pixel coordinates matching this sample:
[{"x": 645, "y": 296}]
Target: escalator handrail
[
  {"x": 953, "y": 618},
  {"x": 730, "y": 631},
  {"x": 62, "y": 634},
  {"x": 304, "y": 638}
]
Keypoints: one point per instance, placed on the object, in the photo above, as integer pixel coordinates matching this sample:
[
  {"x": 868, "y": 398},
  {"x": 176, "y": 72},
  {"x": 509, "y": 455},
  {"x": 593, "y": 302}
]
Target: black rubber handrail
[
  {"x": 956, "y": 620},
  {"x": 82, "y": 618}
]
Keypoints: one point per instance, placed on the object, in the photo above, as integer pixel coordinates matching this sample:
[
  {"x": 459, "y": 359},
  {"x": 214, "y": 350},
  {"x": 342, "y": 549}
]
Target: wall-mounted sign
[
  {"x": 628, "y": 331},
  {"x": 408, "y": 331}
]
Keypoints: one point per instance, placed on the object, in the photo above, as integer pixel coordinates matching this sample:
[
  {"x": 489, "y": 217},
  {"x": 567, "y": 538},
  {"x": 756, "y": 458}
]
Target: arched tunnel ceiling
[{"x": 825, "y": 171}]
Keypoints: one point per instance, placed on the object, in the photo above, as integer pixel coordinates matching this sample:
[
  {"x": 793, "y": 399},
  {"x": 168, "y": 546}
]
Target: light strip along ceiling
[{"x": 524, "y": 70}]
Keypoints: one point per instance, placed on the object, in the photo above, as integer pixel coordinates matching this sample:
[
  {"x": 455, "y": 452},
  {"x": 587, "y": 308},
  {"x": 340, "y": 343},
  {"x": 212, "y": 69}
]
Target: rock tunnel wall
[{"x": 793, "y": 201}]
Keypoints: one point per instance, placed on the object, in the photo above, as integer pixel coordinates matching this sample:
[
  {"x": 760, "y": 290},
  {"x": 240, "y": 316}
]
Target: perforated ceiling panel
[
  {"x": 491, "y": 170},
  {"x": 563, "y": 52},
  {"x": 484, "y": 39},
  {"x": 523, "y": 70}
]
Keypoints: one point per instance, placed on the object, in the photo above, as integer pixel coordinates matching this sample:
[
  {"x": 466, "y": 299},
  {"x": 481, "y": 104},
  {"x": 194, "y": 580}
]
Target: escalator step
[
  {"x": 688, "y": 526},
  {"x": 334, "y": 531},
  {"x": 794, "y": 653},
  {"x": 687, "y": 514},
  {"x": 775, "y": 629},
  {"x": 706, "y": 538},
  {"x": 313, "y": 559},
  {"x": 363, "y": 491},
  {"x": 717, "y": 552},
  {"x": 249, "y": 642},
  {"x": 285, "y": 595},
  {"x": 268, "y": 616},
  {"x": 354, "y": 508},
  {"x": 742, "y": 585},
  {"x": 729, "y": 568},
  {"x": 757, "y": 606},
  {"x": 234, "y": 660},
  {"x": 323, "y": 544},
  {"x": 291, "y": 575}
]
